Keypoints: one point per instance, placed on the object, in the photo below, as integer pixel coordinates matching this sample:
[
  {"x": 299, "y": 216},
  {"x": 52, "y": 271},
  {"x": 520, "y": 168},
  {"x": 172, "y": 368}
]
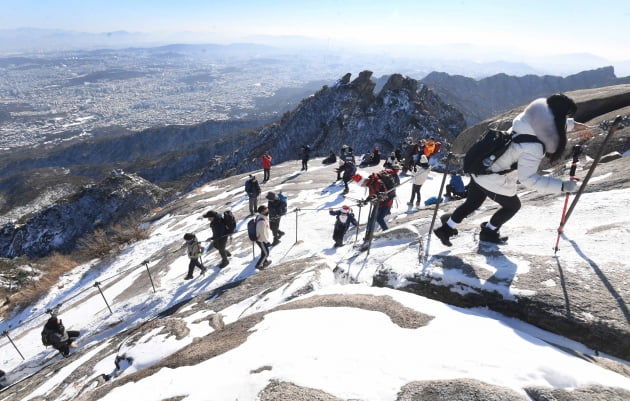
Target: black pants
[
  {"x": 264, "y": 253},
  {"x": 304, "y": 164},
  {"x": 415, "y": 191},
  {"x": 64, "y": 348},
  {"x": 253, "y": 205},
  {"x": 266, "y": 174},
  {"x": 510, "y": 205},
  {"x": 274, "y": 226},
  {"x": 220, "y": 244},
  {"x": 191, "y": 266}
]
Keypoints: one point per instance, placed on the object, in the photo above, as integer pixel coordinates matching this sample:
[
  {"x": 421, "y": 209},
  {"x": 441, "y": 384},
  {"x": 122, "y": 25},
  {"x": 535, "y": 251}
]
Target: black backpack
[
  {"x": 45, "y": 338},
  {"x": 390, "y": 183},
  {"x": 251, "y": 229},
  {"x": 229, "y": 221},
  {"x": 489, "y": 147}
]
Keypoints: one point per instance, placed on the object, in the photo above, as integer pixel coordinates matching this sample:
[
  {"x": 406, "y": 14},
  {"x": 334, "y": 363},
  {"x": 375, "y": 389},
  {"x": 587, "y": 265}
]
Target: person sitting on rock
[{"x": 58, "y": 337}]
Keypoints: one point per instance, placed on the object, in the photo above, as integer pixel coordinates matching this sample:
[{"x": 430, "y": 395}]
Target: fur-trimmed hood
[{"x": 537, "y": 119}]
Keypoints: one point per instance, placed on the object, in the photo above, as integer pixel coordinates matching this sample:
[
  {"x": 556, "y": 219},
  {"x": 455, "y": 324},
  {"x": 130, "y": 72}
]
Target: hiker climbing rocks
[
  {"x": 344, "y": 217},
  {"x": 219, "y": 236},
  {"x": 194, "y": 254},
  {"x": 544, "y": 119}
]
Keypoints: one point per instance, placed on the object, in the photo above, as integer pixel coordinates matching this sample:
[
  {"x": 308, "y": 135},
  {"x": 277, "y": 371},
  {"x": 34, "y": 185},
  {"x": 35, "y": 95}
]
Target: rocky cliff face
[
  {"x": 58, "y": 227},
  {"x": 487, "y": 97},
  {"x": 349, "y": 112}
]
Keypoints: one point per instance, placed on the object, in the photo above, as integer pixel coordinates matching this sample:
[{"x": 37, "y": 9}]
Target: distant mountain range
[
  {"x": 417, "y": 60},
  {"x": 487, "y": 97}
]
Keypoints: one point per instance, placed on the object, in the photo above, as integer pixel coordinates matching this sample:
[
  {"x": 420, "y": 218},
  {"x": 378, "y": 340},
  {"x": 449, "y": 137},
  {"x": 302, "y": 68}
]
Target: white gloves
[{"x": 569, "y": 186}]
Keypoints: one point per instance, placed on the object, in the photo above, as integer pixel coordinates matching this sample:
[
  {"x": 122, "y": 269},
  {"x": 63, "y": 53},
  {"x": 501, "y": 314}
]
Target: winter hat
[
  {"x": 188, "y": 236},
  {"x": 345, "y": 209},
  {"x": 210, "y": 213},
  {"x": 393, "y": 154},
  {"x": 271, "y": 195}
]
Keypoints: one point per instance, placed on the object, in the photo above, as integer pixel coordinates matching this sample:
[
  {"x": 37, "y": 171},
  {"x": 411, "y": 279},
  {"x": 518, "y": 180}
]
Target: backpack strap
[{"x": 522, "y": 138}]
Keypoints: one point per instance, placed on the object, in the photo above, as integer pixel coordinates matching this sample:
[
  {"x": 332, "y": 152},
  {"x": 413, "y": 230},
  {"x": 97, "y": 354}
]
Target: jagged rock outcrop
[
  {"x": 481, "y": 99},
  {"x": 348, "y": 112},
  {"x": 58, "y": 227}
]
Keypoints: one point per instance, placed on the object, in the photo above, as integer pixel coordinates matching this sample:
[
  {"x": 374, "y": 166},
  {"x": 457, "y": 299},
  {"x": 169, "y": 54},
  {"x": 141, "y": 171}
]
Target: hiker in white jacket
[
  {"x": 419, "y": 177},
  {"x": 546, "y": 119},
  {"x": 263, "y": 236}
]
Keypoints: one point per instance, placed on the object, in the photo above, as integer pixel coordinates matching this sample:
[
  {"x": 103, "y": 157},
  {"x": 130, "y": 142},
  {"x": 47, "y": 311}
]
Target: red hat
[{"x": 345, "y": 209}]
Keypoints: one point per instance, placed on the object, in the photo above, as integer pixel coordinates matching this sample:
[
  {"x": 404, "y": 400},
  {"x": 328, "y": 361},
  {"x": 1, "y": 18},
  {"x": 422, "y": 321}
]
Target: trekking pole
[
  {"x": 611, "y": 130},
  {"x": 98, "y": 285},
  {"x": 371, "y": 224},
  {"x": 6, "y": 334},
  {"x": 360, "y": 204},
  {"x": 577, "y": 149},
  {"x": 296, "y": 225},
  {"x": 437, "y": 206},
  {"x": 146, "y": 264}
]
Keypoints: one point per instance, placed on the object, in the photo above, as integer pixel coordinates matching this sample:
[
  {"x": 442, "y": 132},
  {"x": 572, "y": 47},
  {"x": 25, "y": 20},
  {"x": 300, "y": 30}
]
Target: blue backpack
[
  {"x": 251, "y": 229},
  {"x": 283, "y": 200}
]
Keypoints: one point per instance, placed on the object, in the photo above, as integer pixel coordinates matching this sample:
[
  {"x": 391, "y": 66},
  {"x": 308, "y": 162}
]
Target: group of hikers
[{"x": 547, "y": 120}]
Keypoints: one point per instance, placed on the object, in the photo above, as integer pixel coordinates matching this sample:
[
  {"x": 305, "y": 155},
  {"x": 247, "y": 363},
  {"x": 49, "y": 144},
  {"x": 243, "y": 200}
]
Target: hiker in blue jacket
[{"x": 456, "y": 189}]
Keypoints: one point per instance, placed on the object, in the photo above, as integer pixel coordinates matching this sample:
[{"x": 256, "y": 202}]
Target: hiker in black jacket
[
  {"x": 219, "y": 236},
  {"x": 275, "y": 213},
  {"x": 252, "y": 188},
  {"x": 58, "y": 337}
]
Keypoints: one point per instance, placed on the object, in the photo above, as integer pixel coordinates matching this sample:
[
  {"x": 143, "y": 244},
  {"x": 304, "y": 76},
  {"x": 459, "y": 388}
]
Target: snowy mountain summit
[{"x": 471, "y": 322}]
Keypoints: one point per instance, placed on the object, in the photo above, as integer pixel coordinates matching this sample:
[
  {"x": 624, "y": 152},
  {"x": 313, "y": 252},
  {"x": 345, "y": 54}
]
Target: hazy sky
[{"x": 528, "y": 26}]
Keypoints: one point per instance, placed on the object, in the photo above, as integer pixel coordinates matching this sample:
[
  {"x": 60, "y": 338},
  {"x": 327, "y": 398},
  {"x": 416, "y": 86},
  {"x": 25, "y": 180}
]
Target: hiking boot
[
  {"x": 409, "y": 203},
  {"x": 345, "y": 191},
  {"x": 224, "y": 263},
  {"x": 488, "y": 235},
  {"x": 338, "y": 244},
  {"x": 267, "y": 263},
  {"x": 417, "y": 204},
  {"x": 203, "y": 271},
  {"x": 280, "y": 234},
  {"x": 188, "y": 278},
  {"x": 228, "y": 253},
  {"x": 275, "y": 242},
  {"x": 444, "y": 233}
]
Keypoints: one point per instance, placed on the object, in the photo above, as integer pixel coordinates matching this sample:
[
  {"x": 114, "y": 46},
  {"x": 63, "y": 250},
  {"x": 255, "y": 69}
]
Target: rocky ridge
[{"x": 58, "y": 227}]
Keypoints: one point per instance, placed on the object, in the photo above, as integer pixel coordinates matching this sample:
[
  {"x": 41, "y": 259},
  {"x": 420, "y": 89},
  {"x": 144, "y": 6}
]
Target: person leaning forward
[
  {"x": 60, "y": 338},
  {"x": 219, "y": 236}
]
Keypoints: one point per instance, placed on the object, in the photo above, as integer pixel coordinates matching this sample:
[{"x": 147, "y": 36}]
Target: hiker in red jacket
[{"x": 266, "y": 165}]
